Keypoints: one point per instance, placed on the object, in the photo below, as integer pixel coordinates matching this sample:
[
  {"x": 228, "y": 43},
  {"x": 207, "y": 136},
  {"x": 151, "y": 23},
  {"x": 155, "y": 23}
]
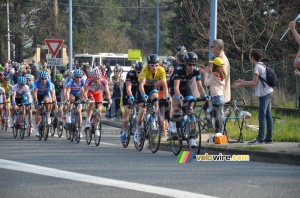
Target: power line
[{"x": 101, "y": 7}]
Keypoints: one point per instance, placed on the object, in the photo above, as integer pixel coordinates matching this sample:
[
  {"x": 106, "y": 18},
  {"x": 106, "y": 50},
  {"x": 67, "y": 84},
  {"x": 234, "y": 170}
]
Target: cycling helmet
[
  {"x": 6, "y": 79},
  {"x": 139, "y": 66},
  {"x": 22, "y": 80},
  {"x": 153, "y": 58},
  {"x": 96, "y": 73},
  {"x": 179, "y": 48},
  {"x": 180, "y": 55},
  {"x": 28, "y": 71},
  {"x": 77, "y": 72},
  {"x": 63, "y": 68},
  {"x": 59, "y": 77},
  {"x": 29, "y": 76},
  {"x": 190, "y": 57},
  {"x": 43, "y": 74}
]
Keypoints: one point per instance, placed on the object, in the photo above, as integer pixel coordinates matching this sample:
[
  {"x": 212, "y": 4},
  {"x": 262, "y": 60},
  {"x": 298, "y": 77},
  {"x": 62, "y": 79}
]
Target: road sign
[
  {"x": 54, "y": 62},
  {"x": 54, "y": 45},
  {"x": 134, "y": 54}
]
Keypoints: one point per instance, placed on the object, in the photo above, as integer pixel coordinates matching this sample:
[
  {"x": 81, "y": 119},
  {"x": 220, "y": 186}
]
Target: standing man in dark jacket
[
  {"x": 108, "y": 71},
  {"x": 117, "y": 95}
]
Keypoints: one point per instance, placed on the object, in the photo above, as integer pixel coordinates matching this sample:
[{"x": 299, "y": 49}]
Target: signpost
[
  {"x": 54, "y": 46},
  {"x": 134, "y": 54}
]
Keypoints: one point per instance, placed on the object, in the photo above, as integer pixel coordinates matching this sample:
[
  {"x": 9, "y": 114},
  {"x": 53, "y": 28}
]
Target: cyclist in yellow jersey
[
  {"x": 149, "y": 76},
  {"x": 8, "y": 89}
]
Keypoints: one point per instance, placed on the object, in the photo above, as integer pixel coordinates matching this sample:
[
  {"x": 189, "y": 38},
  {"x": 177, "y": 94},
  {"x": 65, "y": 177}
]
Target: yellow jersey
[
  {"x": 7, "y": 89},
  {"x": 151, "y": 78}
]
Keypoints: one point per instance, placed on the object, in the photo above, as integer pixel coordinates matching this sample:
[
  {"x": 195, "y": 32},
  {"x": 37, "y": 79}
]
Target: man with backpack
[{"x": 265, "y": 94}]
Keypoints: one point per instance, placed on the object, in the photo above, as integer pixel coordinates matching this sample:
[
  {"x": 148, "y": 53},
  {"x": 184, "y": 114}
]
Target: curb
[{"x": 259, "y": 156}]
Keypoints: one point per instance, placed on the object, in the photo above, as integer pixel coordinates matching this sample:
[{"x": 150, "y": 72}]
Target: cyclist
[
  {"x": 18, "y": 91},
  {"x": 27, "y": 100},
  {"x": 148, "y": 77},
  {"x": 180, "y": 87},
  {"x": 74, "y": 92},
  {"x": 59, "y": 93},
  {"x": 130, "y": 90},
  {"x": 2, "y": 99},
  {"x": 93, "y": 92},
  {"x": 42, "y": 92},
  {"x": 8, "y": 90}
]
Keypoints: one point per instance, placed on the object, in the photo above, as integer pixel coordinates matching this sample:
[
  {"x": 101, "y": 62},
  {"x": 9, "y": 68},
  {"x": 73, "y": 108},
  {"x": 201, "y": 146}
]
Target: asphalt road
[{"x": 58, "y": 168}]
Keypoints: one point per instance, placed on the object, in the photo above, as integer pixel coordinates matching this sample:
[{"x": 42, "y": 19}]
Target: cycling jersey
[
  {"x": 130, "y": 77},
  {"x": 42, "y": 90},
  {"x": 96, "y": 88},
  {"x": 185, "y": 80},
  {"x": 8, "y": 90},
  {"x": 26, "y": 100},
  {"x": 151, "y": 78},
  {"x": 20, "y": 91},
  {"x": 58, "y": 92},
  {"x": 75, "y": 88}
]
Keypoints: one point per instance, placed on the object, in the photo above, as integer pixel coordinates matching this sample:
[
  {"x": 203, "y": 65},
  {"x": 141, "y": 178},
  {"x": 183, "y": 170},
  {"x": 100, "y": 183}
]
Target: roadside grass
[
  {"x": 286, "y": 129},
  {"x": 254, "y": 148}
]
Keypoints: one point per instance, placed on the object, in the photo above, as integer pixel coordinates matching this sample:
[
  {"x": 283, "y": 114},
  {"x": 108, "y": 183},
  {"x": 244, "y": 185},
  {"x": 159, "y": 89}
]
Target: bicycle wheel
[
  {"x": 194, "y": 134},
  {"x": 176, "y": 141},
  {"x": 88, "y": 135},
  {"x": 2, "y": 123},
  {"x": 97, "y": 131},
  {"x": 53, "y": 126},
  {"x": 66, "y": 127},
  {"x": 142, "y": 137},
  {"x": 154, "y": 131},
  {"x": 46, "y": 128},
  {"x": 60, "y": 129},
  {"x": 129, "y": 131},
  {"x": 21, "y": 126},
  {"x": 77, "y": 128},
  {"x": 15, "y": 131},
  {"x": 28, "y": 129}
]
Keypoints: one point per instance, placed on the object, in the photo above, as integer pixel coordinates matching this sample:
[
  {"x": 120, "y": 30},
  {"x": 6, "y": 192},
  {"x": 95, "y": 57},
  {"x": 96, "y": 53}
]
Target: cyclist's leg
[{"x": 48, "y": 99}]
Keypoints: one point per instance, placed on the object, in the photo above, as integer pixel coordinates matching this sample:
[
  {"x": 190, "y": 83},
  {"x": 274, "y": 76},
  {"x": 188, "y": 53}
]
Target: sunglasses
[
  {"x": 212, "y": 46},
  {"x": 28, "y": 79},
  {"x": 153, "y": 65},
  {"x": 191, "y": 64},
  {"x": 78, "y": 76},
  {"x": 21, "y": 84},
  {"x": 43, "y": 78}
]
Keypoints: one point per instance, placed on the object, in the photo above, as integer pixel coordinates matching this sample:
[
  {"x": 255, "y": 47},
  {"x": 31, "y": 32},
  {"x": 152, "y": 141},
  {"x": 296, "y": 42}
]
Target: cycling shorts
[
  {"x": 41, "y": 97},
  {"x": 98, "y": 97}
]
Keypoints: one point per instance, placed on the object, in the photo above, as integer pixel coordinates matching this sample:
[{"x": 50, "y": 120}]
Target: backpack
[{"x": 271, "y": 77}]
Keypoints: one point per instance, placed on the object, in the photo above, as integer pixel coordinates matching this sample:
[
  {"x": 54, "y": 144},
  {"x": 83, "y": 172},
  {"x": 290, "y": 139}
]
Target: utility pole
[
  {"x": 157, "y": 27},
  {"x": 8, "y": 32},
  {"x": 140, "y": 23},
  {"x": 55, "y": 22},
  {"x": 70, "y": 37},
  {"x": 213, "y": 25}
]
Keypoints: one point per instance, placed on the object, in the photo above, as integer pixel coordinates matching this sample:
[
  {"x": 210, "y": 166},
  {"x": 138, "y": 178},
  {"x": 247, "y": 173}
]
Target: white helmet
[{"x": 96, "y": 73}]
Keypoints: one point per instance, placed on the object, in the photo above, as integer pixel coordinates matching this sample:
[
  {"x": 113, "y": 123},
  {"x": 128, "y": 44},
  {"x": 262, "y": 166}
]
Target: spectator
[
  {"x": 117, "y": 95},
  {"x": 108, "y": 71},
  {"x": 264, "y": 92},
  {"x": 34, "y": 69},
  {"x": 292, "y": 26},
  {"x": 215, "y": 79},
  {"x": 217, "y": 47}
]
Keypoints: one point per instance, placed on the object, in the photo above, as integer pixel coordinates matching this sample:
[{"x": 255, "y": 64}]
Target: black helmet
[
  {"x": 153, "y": 58},
  {"x": 139, "y": 66},
  {"x": 179, "y": 48},
  {"x": 190, "y": 57}
]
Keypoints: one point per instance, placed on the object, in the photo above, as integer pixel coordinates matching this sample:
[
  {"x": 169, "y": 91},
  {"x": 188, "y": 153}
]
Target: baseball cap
[{"x": 218, "y": 61}]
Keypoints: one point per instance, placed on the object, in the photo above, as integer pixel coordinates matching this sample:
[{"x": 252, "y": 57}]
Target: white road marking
[{"x": 51, "y": 172}]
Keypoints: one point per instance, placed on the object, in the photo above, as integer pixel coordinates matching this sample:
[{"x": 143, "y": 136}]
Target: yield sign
[{"x": 54, "y": 45}]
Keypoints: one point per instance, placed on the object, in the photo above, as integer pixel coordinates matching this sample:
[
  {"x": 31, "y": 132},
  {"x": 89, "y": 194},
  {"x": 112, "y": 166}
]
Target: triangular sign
[{"x": 54, "y": 45}]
